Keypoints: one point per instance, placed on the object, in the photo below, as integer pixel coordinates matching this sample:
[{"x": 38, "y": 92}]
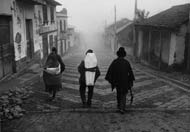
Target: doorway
[
  {"x": 29, "y": 39},
  {"x": 45, "y": 46},
  {"x": 187, "y": 52},
  {"x": 6, "y": 47}
]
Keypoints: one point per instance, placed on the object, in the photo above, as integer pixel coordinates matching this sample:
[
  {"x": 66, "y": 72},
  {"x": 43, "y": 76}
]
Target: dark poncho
[
  {"x": 53, "y": 60},
  {"x": 120, "y": 74}
]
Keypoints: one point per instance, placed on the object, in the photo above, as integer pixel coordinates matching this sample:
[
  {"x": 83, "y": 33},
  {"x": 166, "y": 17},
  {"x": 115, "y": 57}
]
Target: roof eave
[
  {"x": 159, "y": 27},
  {"x": 53, "y": 2},
  {"x": 34, "y": 2}
]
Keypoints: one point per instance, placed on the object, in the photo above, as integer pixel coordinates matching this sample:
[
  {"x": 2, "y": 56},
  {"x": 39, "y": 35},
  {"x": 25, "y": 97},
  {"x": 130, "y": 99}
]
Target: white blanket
[
  {"x": 55, "y": 70},
  {"x": 90, "y": 61}
]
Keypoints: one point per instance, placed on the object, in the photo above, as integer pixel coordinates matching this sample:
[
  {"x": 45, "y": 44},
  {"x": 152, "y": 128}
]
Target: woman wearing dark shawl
[
  {"x": 53, "y": 81},
  {"x": 120, "y": 75}
]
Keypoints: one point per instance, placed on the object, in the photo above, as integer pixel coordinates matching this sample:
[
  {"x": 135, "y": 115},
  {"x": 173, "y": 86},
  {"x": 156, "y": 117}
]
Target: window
[
  {"x": 51, "y": 41},
  {"x": 55, "y": 39},
  {"x": 45, "y": 15},
  {"x": 61, "y": 26},
  {"x": 52, "y": 14},
  {"x": 64, "y": 25}
]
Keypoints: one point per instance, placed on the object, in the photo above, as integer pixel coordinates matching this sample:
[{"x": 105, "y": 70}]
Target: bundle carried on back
[
  {"x": 52, "y": 65},
  {"x": 90, "y": 63}
]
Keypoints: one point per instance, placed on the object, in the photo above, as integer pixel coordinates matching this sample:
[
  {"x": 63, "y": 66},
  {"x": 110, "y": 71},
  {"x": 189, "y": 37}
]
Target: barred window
[
  {"x": 45, "y": 15},
  {"x": 61, "y": 26},
  {"x": 52, "y": 14},
  {"x": 64, "y": 25}
]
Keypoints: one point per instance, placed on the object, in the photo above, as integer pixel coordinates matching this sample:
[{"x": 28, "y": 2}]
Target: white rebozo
[
  {"x": 90, "y": 61},
  {"x": 55, "y": 70}
]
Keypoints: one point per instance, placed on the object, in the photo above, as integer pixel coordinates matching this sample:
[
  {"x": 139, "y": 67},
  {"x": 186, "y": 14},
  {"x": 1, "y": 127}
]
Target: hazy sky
[{"x": 92, "y": 15}]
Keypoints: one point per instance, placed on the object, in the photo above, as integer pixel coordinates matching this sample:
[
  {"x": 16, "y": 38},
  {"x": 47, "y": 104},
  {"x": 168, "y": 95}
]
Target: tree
[{"x": 142, "y": 14}]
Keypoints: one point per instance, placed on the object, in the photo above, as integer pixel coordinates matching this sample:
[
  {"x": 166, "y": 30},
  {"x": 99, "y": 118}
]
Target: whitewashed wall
[
  {"x": 180, "y": 44},
  {"x": 140, "y": 43},
  {"x": 38, "y": 19},
  {"x": 21, "y": 13}
]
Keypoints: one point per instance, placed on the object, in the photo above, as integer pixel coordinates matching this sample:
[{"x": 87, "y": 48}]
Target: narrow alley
[{"x": 95, "y": 66}]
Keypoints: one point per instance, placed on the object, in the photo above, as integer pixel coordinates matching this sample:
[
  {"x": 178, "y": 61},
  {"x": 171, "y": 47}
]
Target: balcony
[
  {"x": 47, "y": 28},
  {"x": 34, "y": 2}
]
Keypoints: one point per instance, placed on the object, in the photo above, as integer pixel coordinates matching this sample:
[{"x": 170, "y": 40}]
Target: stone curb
[
  {"x": 167, "y": 80},
  {"x": 173, "y": 80},
  {"x": 177, "y": 83},
  {"x": 92, "y": 110}
]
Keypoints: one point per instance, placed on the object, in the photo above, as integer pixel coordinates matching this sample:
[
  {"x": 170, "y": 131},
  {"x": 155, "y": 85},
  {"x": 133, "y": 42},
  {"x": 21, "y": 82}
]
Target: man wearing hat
[{"x": 121, "y": 77}]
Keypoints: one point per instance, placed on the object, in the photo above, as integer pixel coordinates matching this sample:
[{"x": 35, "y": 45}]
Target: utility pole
[
  {"x": 135, "y": 11},
  {"x": 115, "y": 29},
  {"x": 134, "y": 32}
]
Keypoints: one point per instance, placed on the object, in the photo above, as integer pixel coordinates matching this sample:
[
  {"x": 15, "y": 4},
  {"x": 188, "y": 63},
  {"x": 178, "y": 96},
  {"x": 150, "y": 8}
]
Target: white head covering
[{"x": 90, "y": 60}]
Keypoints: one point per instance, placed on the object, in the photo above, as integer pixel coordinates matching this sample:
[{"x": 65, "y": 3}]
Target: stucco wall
[
  {"x": 112, "y": 43},
  {"x": 180, "y": 44},
  {"x": 40, "y": 28},
  {"x": 38, "y": 19},
  {"x": 140, "y": 43},
  {"x": 61, "y": 35},
  {"x": 125, "y": 37},
  {"x": 21, "y": 13},
  {"x": 172, "y": 48},
  {"x": 166, "y": 37}
]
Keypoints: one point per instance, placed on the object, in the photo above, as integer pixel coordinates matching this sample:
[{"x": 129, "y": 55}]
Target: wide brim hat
[{"x": 121, "y": 52}]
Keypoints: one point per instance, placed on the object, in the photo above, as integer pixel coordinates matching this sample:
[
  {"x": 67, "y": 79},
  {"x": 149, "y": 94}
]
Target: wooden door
[
  {"x": 6, "y": 51},
  {"x": 145, "y": 48},
  {"x": 29, "y": 39},
  {"x": 165, "y": 46},
  {"x": 45, "y": 46},
  {"x": 187, "y": 52},
  {"x": 51, "y": 41},
  {"x": 155, "y": 48},
  {"x": 62, "y": 50}
]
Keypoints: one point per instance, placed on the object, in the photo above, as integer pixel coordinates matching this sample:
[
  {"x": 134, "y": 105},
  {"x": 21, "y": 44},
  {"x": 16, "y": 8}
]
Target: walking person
[
  {"x": 89, "y": 72},
  {"x": 121, "y": 77},
  {"x": 52, "y": 74}
]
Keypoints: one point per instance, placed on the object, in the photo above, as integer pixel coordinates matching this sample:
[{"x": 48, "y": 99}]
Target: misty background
[{"x": 90, "y": 17}]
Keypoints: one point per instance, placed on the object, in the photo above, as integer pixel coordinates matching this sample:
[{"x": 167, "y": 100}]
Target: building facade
[
  {"x": 62, "y": 26},
  {"x": 112, "y": 32},
  {"x": 71, "y": 37},
  {"x": 30, "y": 30},
  {"x": 125, "y": 37},
  {"x": 46, "y": 27},
  {"x": 163, "y": 40}
]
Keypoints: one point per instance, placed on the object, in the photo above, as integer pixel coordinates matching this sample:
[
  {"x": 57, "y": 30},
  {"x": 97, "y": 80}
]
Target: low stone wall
[{"x": 25, "y": 62}]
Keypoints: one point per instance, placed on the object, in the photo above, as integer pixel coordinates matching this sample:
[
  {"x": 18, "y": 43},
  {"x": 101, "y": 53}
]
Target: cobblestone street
[{"x": 159, "y": 105}]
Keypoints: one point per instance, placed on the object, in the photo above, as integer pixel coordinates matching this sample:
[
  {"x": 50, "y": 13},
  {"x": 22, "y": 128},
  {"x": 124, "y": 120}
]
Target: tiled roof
[
  {"x": 33, "y": 1},
  {"x": 53, "y": 2},
  {"x": 43, "y": 2},
  {"x": 170, "y": 18},
  {"x": 119, "y": 23},
  {"x": 124, "y": 26}
]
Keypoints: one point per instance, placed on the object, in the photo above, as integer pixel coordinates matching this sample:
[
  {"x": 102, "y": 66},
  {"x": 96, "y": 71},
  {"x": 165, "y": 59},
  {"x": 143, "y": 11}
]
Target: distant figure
[
  {"x": 52, "y": 76},
  {"x": 120, "y": 75},
  {"x": 89, "y": 72}
]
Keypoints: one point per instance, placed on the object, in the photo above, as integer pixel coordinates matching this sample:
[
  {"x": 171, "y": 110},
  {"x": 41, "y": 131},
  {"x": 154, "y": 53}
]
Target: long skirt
[{"x": 52, "y": 82}]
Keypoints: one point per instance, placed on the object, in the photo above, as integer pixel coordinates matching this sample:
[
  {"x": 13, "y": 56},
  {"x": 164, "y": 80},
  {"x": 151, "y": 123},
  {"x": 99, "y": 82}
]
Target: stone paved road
[
  {"x": 158, "y": 105},
  {"x": 149, "y": 91},
  {"x": 80, "y": 121}
]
